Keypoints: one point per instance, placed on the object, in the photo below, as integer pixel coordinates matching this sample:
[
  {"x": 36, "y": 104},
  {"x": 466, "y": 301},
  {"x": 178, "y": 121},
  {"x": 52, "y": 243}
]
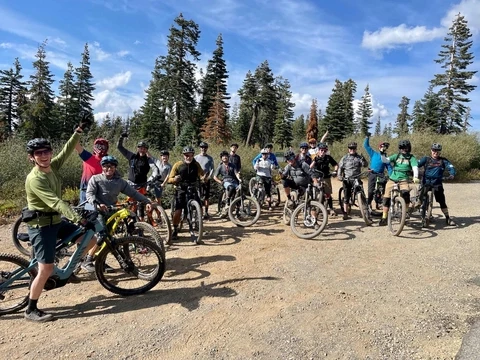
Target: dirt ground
[{"x": 355, "y": 292}]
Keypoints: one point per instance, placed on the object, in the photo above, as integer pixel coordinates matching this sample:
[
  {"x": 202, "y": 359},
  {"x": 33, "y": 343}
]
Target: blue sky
[{"x": 389, "y": 45}]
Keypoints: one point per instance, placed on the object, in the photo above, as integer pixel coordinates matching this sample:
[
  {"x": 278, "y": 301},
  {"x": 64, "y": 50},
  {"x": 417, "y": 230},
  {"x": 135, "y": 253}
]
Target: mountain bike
[
  {"x": 295, "y": 196},
  {"x": 427, "y": 203},
  {"x": 322, "y": 196},
  {"x": 399, "y": 211},
  {"x": 257, "y": 190},
  {"x": 380, "y": 183},
  {"x": 243, "y": 210},
  {"x": 310, "y": 217},
  {"x": 137, "y": 263},
  {"x": 192, "y": 212},
  {"x": 357, "y": 197}
]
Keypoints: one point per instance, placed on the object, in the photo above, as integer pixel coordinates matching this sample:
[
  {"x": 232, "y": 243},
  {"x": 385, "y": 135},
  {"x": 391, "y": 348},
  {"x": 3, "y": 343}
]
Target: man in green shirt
[
  {"x": 44, "y": 189},
  {"x": 404, "y": 164}
]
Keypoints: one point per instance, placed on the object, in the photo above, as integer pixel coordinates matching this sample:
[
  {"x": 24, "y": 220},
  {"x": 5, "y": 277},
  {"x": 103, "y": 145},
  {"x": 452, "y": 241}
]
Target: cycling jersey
[
  {"x": 300, "y": 173},
  {"x": 376, "y": 163},
  {"x": 264, "y": 167},
  {"x": 323, "y": 164},
  {"x": 188, "y": 172},
  {"x": 271, "y": 156},
  {"x": 227, "y": 171},
  {"x": 91, "y": 166},
  {"x": 139, "y": 166},
  {"x": 403, "y": 166},
  {"x": 434, "y": 169},
  {"x": 351, "y": 165}
]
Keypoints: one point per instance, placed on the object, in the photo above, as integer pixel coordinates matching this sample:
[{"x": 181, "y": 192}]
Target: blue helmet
[
  {"x": 304, "y": 145},
  {"x": 109, "y": 159}
]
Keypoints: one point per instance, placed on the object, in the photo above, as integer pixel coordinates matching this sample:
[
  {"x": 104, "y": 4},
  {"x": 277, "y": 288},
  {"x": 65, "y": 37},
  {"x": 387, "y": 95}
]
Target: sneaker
[
  {"x": 383, "y": 222},
  {"x": 38, "y": 316},
  {"x": 195, "y": 240},
  {"x": 332, "y": 212},
  {"x": 88, "y": 266},
  {"x": 270, "y": 208},
  {"x": 175, "y": 235},
  {"x": 450, "y": 222},
  {"x": 345, "y": 217},
  {"x": 108, "y": 269},
  {"x": 290, "y": 203},
  {"x": 206, "y": 216}
]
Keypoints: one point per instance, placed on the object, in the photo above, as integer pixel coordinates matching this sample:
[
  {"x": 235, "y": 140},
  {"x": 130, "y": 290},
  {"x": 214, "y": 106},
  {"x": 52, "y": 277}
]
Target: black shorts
[{"x": 205, "y": 189}]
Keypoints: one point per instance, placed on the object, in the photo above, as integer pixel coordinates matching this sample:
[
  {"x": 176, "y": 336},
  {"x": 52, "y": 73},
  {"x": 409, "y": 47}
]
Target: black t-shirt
[{"x": 323, "y": 164}]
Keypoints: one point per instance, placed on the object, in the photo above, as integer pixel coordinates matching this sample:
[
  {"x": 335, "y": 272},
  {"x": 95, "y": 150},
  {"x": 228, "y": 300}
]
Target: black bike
[
  {"x": 192, "y": 212},
  {"x": 357, "y": 197}
]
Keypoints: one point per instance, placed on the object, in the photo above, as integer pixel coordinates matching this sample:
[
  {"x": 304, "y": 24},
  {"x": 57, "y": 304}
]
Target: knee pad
[
  {"x": 386, "y": 202},
  {"x": 406, "y": 195},
  {"x": 230, "y": 190}
]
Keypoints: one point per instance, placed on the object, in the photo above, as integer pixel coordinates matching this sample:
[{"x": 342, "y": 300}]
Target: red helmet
[{"x": 100, "y": 147}]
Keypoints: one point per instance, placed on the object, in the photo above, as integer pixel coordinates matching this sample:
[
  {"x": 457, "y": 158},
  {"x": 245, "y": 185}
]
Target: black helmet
[
  {"x": 304, "y": 145},
  {"x": 38, "y": 143},
  {"x": 203, "y": 144},
  {"x": 109, "y": 159},
  {"x": 188, "y": 149},
  {"x": 224, "y": 153},
  {"x": 436, "y": 147},
  {"x": 289, "y": 155},
  {"x": 352, "y": 145},
  {"x": 322, "y": 145},
  {"x": 405, "y": 145},
  {"x": 142, "y": 144},
  {"x": 164, "y": 152}
]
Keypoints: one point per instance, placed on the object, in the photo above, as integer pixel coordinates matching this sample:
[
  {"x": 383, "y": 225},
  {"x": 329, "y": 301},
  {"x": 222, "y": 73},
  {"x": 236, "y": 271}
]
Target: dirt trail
[{"x": 261, "y": 293}]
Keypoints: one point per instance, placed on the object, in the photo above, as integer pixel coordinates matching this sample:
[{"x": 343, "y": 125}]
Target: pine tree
[
  {"x": 466, "y": 119},
  {"x": 38, "y": 121},
  {"x": 378, "y": 127},
  {"x": 283, "y": 122},
  {"x": 389, "y": 130},
  {"x": 312, "y": 125},
  {"x": 84, "y": 85},
  {"x": 335, "y": 115},
  {"x": 179, "y": 68},
  {"x": 67, "y": 103},
  {"x": 417, "y": 116},
  {"x": 189, "y": 135},
  {"x": 249, "y": 108},
  {"x": 401, "y": 125},
  {"x": 216, "y": 75},
  {"x": 349, "y": 88},
  {"x": 299, "y": 129},
  {"x": 365, "y": 112},
  {"x": 427, "y": 112},
  {"x": 12, "y": 90},
  {"x": 215, "y": 129},
  {"x": 233, "y": 120},
  {"x": 455, "y": 57},
  {"x": 267, "y": 101}
]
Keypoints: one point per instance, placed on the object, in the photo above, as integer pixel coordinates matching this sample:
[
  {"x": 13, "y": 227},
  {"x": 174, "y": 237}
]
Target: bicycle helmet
[
  {"x": 164, "y": 152},
  {"x": 142, "y": 144},
  {"x": 265, "y": 151},
  {"x": 100, "y": 147},
  {"x": 436, "y": 147},
  {"x": 405, "y": 145},
  {"x": 322, "y": 146},
  {"x": 352, "y": 145},
  {"x": 289, "y": 155},
  {"x": 385, "y": 144},
  {"x": 224, "y": 153},
  {"x": 304, "y": 145},
  {"x": 188, "y": 149},
  {"x": 109, "y": 159},
  {"x": 37, "y": 144},
  {"x": 203, "y": 144}
]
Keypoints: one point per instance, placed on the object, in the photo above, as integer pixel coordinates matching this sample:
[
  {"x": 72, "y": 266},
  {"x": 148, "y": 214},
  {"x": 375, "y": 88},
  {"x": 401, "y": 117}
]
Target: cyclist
[
  {"x": 139, "y": 167},
  {"x": 322, "y": 162},
  {"x": 295, "y": 175},
  {"x": 230, "y": 176},
  {"x": 434, "y": 166},
  {"x": 377, "y": 166},
  {"x": 304, "y": 154},
  {"x": 312, "y": 142},
  {"x": 91, "y": 163},
  {"x": 207, "y": 164},
  {"x": 350, "y": 166},
  {"x": 403, "y": 165},
  {"x": 264, "y": 167},
  {"x": 43, "y": 189},
  {"x": 234, "y": 158},
  {"x": 271, "y": 156},
  {"x": 187, "y": 171},
  {"x": 163, "y": 170}
]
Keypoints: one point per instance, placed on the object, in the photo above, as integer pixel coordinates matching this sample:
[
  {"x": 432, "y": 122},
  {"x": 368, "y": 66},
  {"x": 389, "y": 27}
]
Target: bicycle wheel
[
  {"x": 195, "y": 214},
  {"x": 14, "y": 297},
  {"x": 244, "y": 213},
  {"x": 341, "y": 199},
  {"x": 142, "y": 229},
  {"x": 397, "y": 215},
  {"x": 275, "y": 195},
  {"x": 144, "y": 266},
  {"x": 310, "y": 223},
  {"x": 251, "y": 185},
  {"x": 362, "y": 204},
  {"x": 222, "y": 203},
  {"x": 160, "y": 221},
  {"x": 428, "y": 218},
  {"x": 20, "y": 237},
  {"x": 182, "y": 216},
  {"x": 287, "y": 212}
]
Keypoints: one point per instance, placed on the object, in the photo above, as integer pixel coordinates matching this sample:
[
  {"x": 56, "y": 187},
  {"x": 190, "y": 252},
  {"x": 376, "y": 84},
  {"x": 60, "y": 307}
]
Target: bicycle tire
[
  {"x": 316, "y": 231},
  {"x": 362, "y": 204},
  {"x": 163, "y": 224},
  {"x": 341, "y": 199},
  {"x": 287, "y": 212},
  {"x": 147, "y": 277},
  {"x": 236, "y": 215},
  {"x": 24, "y": 246},
  {"x": 429, "y": 208},
  {"x": 145, "y": 230},
  {"x": 397, "y": 211},
  {"x": 222, "y": 202},
  {"x": 276, "y": 193},
  {"x": 196, "y": 214},
  {"x": 11, "y": 300},
  {"x": 251, "y": 185}
]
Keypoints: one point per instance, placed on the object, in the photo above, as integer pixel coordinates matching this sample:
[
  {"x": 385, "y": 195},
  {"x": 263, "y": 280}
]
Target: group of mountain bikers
[{"x": 101, "y": 183}]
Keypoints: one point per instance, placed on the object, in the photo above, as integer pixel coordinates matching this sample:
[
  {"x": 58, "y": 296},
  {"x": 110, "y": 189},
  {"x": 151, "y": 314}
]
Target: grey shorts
[{"x": 44, "y": 239}]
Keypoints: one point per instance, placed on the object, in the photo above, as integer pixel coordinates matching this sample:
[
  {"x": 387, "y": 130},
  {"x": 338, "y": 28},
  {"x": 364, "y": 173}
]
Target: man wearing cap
[{"x": 206, "y": 162}]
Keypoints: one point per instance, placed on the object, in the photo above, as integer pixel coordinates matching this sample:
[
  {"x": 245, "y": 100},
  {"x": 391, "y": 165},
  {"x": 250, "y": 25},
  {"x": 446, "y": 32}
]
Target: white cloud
[
  {"x": 468, "y": 8},
  {"x": 6, "y": 45},
  {"x": 115, "y": 81},
  {"x": 113, "y": 102},
  {"x": 97, "y": 51},
  {"x": 137, "y": 42},
  {"x": 123, "y": 53},
  {"x": 391, "y": 37}
]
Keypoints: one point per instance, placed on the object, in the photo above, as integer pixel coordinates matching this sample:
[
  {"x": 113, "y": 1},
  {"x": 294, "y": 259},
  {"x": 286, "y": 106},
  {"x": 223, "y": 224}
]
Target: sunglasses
[
  {"x": 188, "y": 155},
  {"x": 101, "y": 147},
  {"x": 42, "y": 152},
  {"x": 323, "y": 150},
  {"x": 352, "y": 148},
  {"x": 108, "y": 166}
]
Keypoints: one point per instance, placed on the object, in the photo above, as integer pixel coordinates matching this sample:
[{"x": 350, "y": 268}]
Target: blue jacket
[
  {"x": 376, "y": 163},
  {"x": 271, "y": 157},
  {"x": 434, "y": 169}
]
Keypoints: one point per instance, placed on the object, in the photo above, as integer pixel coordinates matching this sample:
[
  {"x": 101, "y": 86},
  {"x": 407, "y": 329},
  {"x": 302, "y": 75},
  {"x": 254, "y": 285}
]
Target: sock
[
  {"x": 32, "y": 305},
  {"x": 384, "y": 215},
  {"x": 289, "y": 197},
  {"x": 445, "y": 212},
  {"x": 89, "y": 258}
]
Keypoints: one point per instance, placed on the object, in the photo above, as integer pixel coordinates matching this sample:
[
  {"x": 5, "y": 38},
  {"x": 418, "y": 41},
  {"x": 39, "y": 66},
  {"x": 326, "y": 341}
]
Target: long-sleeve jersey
[
  {"x": 44, "y": 190},
  {"x": 138, "y": 166},
  {"x": 351, "y": 165},
  {"x": 264, "y": 167},
  {"x": 189, "y": 173},
  {"x": 106, "y": 191},
  {"x": 434, "y": 169},
  {"x": 299, "y": 172},
  {"x": 376, "y": 163},
  {"x": 271, "y": 156}
]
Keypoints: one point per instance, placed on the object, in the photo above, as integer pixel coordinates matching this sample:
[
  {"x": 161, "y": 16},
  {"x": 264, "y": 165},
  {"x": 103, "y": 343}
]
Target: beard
[{"x": 188, "y": 161}]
